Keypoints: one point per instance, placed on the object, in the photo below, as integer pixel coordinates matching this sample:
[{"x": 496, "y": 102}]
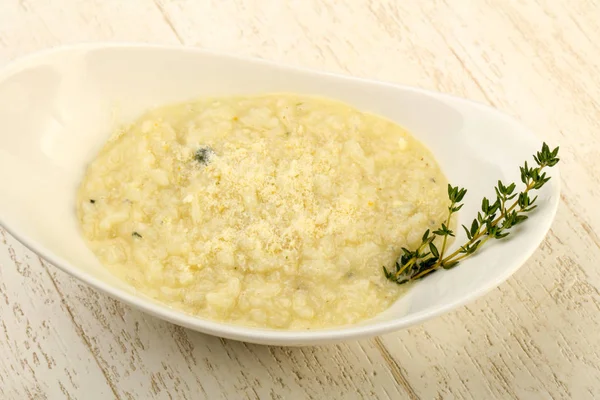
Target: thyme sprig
[{"x": 493, "y": 221}]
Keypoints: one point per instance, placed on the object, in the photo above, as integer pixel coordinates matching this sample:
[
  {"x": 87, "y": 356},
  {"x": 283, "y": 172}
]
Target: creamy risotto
[{"x": 273, "y": 211}]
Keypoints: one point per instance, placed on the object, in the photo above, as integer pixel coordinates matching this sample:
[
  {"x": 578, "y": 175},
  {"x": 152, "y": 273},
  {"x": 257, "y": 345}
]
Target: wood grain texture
[{"x": 535, "y": 337}]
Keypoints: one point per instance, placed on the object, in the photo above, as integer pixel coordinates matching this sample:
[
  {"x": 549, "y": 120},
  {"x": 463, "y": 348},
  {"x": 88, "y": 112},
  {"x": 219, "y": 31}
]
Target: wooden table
[{"x": 535, "y": 337}]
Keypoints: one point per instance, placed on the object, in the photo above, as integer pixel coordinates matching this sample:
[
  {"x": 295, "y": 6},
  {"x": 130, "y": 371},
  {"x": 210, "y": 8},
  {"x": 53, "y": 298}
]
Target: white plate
[{"x": 58, "y": 107}]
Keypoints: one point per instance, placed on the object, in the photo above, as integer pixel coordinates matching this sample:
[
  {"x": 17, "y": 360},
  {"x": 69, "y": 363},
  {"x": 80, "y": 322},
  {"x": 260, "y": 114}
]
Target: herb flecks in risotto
[{"x": 273, "y": 211}]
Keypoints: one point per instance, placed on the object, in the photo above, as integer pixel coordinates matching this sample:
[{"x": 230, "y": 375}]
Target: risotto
[{"x": 274, "y": 211}]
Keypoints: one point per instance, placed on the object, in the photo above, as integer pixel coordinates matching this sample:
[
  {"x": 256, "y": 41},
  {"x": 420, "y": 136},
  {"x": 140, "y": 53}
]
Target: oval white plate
[{"x": 58, "y": 107}]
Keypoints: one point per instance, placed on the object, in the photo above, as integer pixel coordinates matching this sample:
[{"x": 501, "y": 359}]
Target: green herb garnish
[
  {"x": 136, "y": 235},
  {"x": 92, "y": 201},
  {"x": 493, "y": 222},
  {"x": 203, "y": 155}
]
